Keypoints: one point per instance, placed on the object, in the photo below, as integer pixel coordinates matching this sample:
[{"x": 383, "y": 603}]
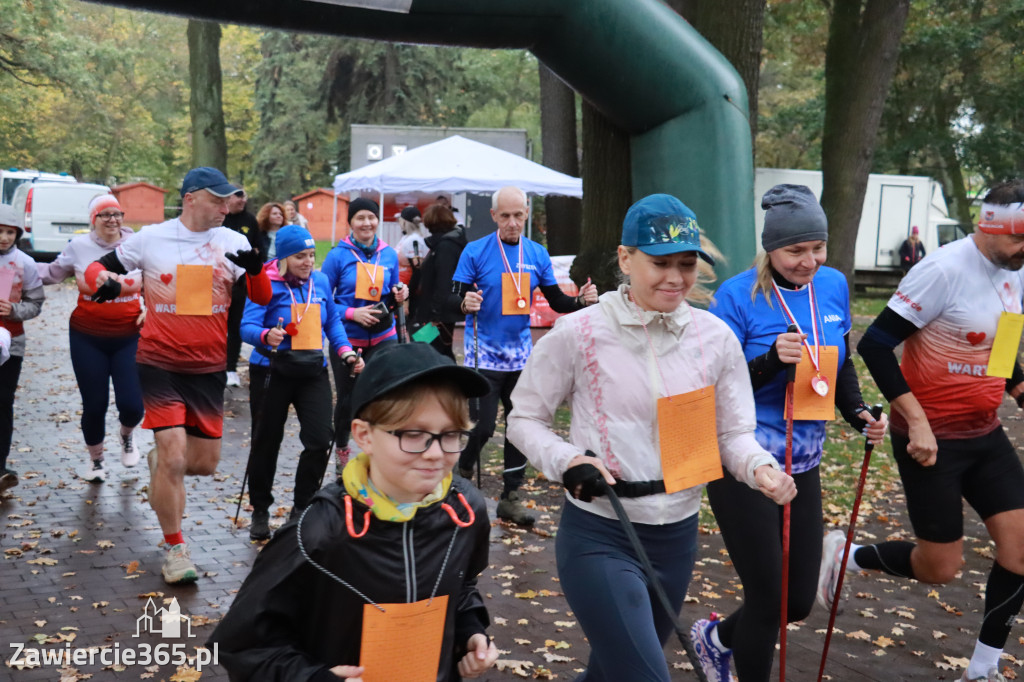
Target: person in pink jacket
[{"x": 643, "y": 349}]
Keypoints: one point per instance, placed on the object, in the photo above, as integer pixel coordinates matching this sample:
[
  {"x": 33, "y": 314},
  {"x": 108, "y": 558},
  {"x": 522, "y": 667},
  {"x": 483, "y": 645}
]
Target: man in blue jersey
[{"x": 494, "y": 283}]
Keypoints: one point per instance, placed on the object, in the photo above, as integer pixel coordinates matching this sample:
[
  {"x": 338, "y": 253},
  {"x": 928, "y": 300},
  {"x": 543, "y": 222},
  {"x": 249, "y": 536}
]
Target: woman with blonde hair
[
  {"x": 789, "y": 286},
  {"x": 660, "y": 400}
]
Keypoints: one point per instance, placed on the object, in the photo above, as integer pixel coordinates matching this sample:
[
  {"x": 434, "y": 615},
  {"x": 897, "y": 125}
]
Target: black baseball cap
[{"x": 400, "y": 364}]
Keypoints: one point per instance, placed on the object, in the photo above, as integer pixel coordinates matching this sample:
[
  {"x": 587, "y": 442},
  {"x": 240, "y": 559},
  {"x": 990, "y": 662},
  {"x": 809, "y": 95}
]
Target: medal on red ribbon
[
  {"x": 819, "y": 383},
  {"x": 517, "y": 282},
  {"x": 374, "y": 291},
  {"x": 292, "y": 328}
]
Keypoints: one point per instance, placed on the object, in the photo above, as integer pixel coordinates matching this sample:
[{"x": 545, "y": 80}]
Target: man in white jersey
[
  {"x": 188, "y": 265},
  {"x": 946, "y": 435}
]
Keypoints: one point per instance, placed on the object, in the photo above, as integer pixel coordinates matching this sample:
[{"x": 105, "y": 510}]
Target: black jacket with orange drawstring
[{"x": 292, "y": 622}]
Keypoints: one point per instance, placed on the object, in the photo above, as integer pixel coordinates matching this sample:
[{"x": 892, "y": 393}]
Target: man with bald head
[{"x": 493, "y": 285}]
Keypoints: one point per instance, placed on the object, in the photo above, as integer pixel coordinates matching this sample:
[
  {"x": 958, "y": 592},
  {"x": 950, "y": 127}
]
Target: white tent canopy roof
[{"x": 457, "y": 164}]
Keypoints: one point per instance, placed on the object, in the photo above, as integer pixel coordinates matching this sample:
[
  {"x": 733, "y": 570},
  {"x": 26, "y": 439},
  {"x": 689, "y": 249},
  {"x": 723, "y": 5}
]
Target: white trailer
[{"x": 893, "y": 205}]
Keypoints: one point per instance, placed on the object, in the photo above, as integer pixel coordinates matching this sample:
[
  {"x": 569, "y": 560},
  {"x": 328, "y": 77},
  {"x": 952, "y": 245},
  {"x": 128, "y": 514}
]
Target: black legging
[
  {"x": 269, "y": 410},
  {"x": 343, "y": 383},
  {"x": 751, "y": 526},
  {"x": 486, "y": 417}
]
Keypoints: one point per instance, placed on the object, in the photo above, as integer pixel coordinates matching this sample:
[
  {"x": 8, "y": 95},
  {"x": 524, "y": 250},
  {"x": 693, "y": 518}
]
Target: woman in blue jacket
[
  {"x": 362, "y": 271},
  {"x": 287, "y": 367}
]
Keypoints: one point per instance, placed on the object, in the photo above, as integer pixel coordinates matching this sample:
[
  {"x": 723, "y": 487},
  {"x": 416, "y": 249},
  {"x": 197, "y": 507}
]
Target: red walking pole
[
  {"x": 876, "y": 413},
  {"x": 790, "y": 380}
]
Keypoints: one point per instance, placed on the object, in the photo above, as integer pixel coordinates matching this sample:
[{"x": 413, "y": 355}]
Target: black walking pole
[
  {"x": 252, "y": 437},
  {"x": 403, "y": 334},
  {"x": 476, "y": 366}
]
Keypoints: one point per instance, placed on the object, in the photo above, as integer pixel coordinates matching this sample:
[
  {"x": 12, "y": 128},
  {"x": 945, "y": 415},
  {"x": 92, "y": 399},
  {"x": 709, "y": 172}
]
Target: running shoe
[
  {"x": 8, "y": 479},
  {"x": 713, "y": 662},
  {"x": 993, "y": 676},
  {"x": 93, "y": 472},
  {"x": 259, "y": 529},
  {"x": 178, "y": 568},
  {"x": 828, "y": 575},
  {"x": 233, "y": 379},
  {"x": 129, "y": 453}
]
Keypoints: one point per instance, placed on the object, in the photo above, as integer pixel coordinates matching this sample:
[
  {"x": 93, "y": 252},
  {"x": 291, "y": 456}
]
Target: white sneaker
[
  {"x": 93, "y": 472},
  {"x": 993, "y": 676},
  {"x": 233, "y": 379},
  {"x": 828, "y": 574},
  {"x": 129, "y": 453},
  {"x": 178, "y": 568}
]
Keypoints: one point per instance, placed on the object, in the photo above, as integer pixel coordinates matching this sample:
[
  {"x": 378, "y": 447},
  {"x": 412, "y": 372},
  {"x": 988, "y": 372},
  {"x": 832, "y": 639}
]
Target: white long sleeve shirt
[{"x": 600, "y": 359}]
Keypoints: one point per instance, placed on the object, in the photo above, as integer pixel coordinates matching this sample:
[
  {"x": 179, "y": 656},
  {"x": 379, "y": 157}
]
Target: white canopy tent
[{"x": 455, "y": 165}]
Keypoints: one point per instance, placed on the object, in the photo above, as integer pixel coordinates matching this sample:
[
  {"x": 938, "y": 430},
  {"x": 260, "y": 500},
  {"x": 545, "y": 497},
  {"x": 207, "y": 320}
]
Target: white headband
[{"x": 1002, "y": 218}]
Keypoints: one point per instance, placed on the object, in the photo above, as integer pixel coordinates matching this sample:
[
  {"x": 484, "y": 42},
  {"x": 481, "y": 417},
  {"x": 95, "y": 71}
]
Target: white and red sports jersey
[
  {"x": 955, "y": 297},
  {"x": 192, "y": 344}
]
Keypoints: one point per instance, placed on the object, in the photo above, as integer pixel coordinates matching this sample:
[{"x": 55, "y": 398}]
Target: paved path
[{"x": 69, "y": 571}]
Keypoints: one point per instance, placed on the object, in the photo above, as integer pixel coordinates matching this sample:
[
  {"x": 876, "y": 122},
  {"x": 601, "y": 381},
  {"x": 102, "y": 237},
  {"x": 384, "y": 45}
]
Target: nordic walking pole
[
  {"x": 252, "y": 437},
  {"x": 876, "y": 413},
  {"x": 476, "y": 366},
  {"x": 790, "y": 384},
  {"x": 403, "y": 336}
]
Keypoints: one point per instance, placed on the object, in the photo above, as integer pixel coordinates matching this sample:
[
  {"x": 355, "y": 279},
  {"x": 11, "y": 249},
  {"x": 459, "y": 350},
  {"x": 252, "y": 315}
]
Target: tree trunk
[
  {"x": 860, "y": 58},
  {"x": 558, "y": 139},
  {"x": 209, "y": 144},
  {"x": 609, "y": 194},
  {"x": 736, "y": 29}
]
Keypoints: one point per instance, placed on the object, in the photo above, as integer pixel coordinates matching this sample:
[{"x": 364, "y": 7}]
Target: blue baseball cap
[
  {"x": 210, "y": 179},
  {"x": 291, "y": 239},
  {"x": 660, "y": 225}
]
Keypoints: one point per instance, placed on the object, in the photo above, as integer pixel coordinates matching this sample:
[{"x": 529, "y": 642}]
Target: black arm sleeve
[
  {"x": 112, "y": 263},
  {"x": 848, "y": 397},
  {"x": 559, "y": 301},
  {"x": 1015, "y": 378},
  {"x": 454, "y": 302},
  {"x": 876, "y": 347},
  {"x": 765, "y": 367}
]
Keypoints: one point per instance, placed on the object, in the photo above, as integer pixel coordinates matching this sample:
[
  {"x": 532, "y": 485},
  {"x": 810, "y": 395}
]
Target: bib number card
[
  {"x": 814, "y": 390},
  {"x": 309, "y": 335},
  {"x": 193, "y": 293},
  {"x": 404, "y": 642},
  {"x": 688, "y": 435},
  {"x": 1003, "y": 355},
  {"x": 515, "y": 300},
  {"x": 369, "y": 282}
]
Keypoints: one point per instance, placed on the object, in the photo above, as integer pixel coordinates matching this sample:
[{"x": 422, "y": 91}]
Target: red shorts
[{"x": 194, "y": 402}]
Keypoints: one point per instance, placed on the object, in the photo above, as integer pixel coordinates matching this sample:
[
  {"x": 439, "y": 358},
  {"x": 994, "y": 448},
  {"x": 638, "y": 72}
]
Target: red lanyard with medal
[
  {"x": 819, "y": 382},
  {"x": 513, "y": 300},
  {"x": 367, "y": 288}
]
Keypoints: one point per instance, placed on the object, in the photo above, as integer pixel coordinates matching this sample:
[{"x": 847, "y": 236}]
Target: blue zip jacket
[
  {"x": 341, "y": 266},
  {"x": 258, "y": 319}
]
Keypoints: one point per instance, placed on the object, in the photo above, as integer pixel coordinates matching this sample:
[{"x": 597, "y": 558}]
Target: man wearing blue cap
[
  {"x": 188, "y": 265},
  {"x": 494, "y": 281}
]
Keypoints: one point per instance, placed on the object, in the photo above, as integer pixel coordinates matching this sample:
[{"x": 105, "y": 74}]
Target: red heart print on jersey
[
  {"x": 129, "y": 281},
  {"x": 974, "y": 338},
  {"x": 166, "y": 278}
]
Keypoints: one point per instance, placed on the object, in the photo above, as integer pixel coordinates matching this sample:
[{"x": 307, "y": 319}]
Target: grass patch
[
  {"x": 870, "y": 304},
  {"x": 322, "y": 247}
]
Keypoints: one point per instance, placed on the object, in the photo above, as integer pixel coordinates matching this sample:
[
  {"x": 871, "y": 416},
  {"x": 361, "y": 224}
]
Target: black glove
[
  {"x": 584, "y": 482},
  {"x": 249, "y": 260},
  {"x": 107, "y": 291}
]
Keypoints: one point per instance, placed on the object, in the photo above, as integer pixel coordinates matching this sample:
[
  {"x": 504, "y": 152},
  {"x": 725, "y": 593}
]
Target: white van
[
  {"x": 11, "y": 178},
  {"x": 52, "y": 213}
]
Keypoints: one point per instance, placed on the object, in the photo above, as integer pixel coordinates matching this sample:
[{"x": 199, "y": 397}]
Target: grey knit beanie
[{"x": 792, "y": 216}]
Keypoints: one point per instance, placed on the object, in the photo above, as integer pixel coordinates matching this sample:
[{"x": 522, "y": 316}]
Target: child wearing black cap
[{"x": 397, "y": 534}]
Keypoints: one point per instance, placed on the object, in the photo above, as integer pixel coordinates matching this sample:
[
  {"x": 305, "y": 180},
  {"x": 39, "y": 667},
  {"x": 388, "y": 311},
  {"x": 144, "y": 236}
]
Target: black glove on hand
[
  {"x": 584, "y": 482},
  {"x": 107, "y": 291},
  {"x": 248, "y": 259}
]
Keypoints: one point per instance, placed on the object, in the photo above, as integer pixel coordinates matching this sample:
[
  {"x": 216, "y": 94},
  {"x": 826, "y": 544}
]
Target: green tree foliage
[
  {"x": 311, "y": 89},
  {"x": 954, "y": 112}
]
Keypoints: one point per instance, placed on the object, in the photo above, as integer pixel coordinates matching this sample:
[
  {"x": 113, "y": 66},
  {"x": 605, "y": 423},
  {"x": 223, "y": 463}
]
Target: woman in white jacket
[{"x": 642, "y": 351}]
